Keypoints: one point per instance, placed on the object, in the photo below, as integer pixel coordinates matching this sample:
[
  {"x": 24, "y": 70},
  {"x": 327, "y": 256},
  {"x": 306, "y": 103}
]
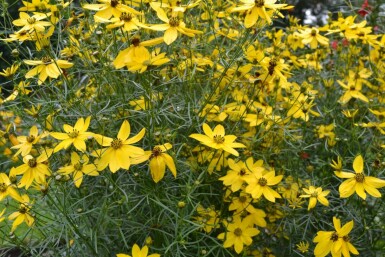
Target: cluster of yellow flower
[{"x": 262, "y": 105}]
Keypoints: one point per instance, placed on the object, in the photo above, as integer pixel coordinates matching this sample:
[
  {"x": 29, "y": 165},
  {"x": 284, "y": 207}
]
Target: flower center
[
  {"x": 156, "y": 152},
  {"x": 46, "y": 60},
  {"x": 242, "y": 172},
  {"x": 242, "y": 199},
  {"x": 219, "y": 139},
  {"x": 30, "y": 139},
  {"x": 272, "y": 65},
  {"x": 114, "y": 3},
  {"x": 73, "y": 134},
  {"x": 259, "y": 3},
  {"x": 174, "y": 22},
  {"x": 314, "y": 194},
  {"x": 23, "y": 209},
  {"x": 262, "y": 181},
  {"x": 78, "y": 166},
  {"x": 360, "y": 177},
  {"x": 238, "y": 232},
  {"x": 32, "y": 163},
  {"x": 3, "y": 187},
  {"x": 135, "y": 41},
  {"x": 31, "y": 20},
  {"x": 334, "y": 237},
  {"x": 116, "y": 143},
  {"x": 313, "y": 33},
  {"x": 125, "y": 17}
]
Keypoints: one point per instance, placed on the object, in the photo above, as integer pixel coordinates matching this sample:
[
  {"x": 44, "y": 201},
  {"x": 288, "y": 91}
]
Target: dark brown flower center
[
  {"x": 313, "y": 33},
  {"x": 242, "y": 172},
  {"x": 219, "y": 139},
  {"x": 114, "y": 3},
  {"x": 46, "y": 60},
  {"x": 73, "y": 134},
  {"x": 30, "y": 138},
  {"x": 360, "y": 177},
  {"x": 78, "y": 166},
  {"x": 31, "y": 20},
  {"x": 242, "y": 199},
  {"x": 174, "y": 22},
  {"x": 32, "y": 163},
  {"x": 334, "y": 237},
  {"x": 259, "y": 3},
  {"x": 116, "y": 143},
  {"x": 3, "y": 187},
  {"x": 238, "y": 232},
  {"x": 156, "y": 152},
  {"x": 262, "y": 181},
  {"x": 125, "y": 17}
]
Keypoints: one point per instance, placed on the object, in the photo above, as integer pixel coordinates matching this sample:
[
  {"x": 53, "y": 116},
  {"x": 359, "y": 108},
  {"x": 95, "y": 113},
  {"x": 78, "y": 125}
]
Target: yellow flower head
[
  {"x": 358, "y": 182},
  {"x": 217, "y": 139}
]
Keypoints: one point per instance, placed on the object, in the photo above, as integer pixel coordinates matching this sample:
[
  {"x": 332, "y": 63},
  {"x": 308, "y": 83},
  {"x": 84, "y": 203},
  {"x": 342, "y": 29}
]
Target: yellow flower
[
  {"x": 109, "y": 8},
  {"x": 127, "y": 21},
  {"x": 119, "y": 152},
  {"x": 239, "y": 233},
  {"x": 259, "y": 183},
  {"x": 78, "y": 168},
  {"x": 137, "y": 252},
  {"x": 238, "y": 170},
  {"x": 158, "y": 161},
  {"x": 303, "y": 246},
  {"x": 142, "y": 62},
  {"x": 216, "y": 139},
  {"x": 31, "y": 23},
  {"x": 34, "y": 169},
  {"x": 312, "y": 37},
  {"x": 47, "y": 67},
  {"x": 337, "y": 242},
  {"x": 314, "y": 195},
  {"x": 23, "y": 214},
  {"x": 172, "y": 26},
  {"x": 135, "y": 50},
  {"x": 353, "y": 90},
  {"x": 208, "y": 218},
  {"x": 258, "y": 9},
  {"x": 8, "y": 188},
  {"x": 10, "y": 71},
  {"x": 358, "y": 182},
  {"x": 26, "y": 142},
  {"x": 73, "y": 135}
]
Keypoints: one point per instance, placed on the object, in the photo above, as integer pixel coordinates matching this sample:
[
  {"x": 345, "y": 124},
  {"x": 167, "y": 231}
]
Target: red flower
[{"x": 365, "y": 9}]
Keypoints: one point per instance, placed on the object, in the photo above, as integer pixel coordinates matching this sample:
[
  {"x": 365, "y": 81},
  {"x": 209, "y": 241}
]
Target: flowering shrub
[{"x": 173, "y": 128}]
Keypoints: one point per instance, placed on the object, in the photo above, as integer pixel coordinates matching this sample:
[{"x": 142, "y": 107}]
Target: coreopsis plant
[
  {"x": 78, "y": 168},
  {"x": 119, "y": 150},
  {"x": 256, "y": 9},
  {"x": 239, "y": 233},
  {"x": 34, "y": 169},
  {"x": 358, "y": 182},
  {"x": 76, "y": 135},
  {"x": 7, "y": 188},
  {"x": 335, "y": 242},
  {"x": 46, "y": 67},
  {"x": 218, "y": 140},
  {"x": 172, "y": 26},
  {"x": 315, "y": 195},
  {"x": 23, "y": 214},
  {"x": 26, "y": 142},
  {"x": 259, "y": 182},
  {"x": 159, "y": 160},
  {"x": 137, "y": 252},
  {"x": 30, "y": 24}
]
